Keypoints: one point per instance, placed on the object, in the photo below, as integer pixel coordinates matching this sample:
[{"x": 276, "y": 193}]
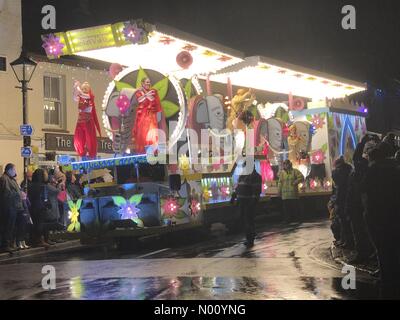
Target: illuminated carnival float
[{"x": 179, "y": 148}]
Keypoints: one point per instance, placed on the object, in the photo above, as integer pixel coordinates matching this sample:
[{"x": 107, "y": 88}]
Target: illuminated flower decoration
[
  {"x": 225, "y": 192},
  {"x": 133, "y": 33},
  {"x": 195, "y": 207},
  {"x": 73, "y": 215},
  {"x": 313, "y": 184},
  {"x": 128, "y": 208},
  {"x": 318, "y": 121},
  {"x": 123, "y": 103},
  {"x": 327, "y": 184},
  {"x": 170, "y": 207},
  {"x": 184, "y": 59},
  {"x": 318, "y": 157},
  {"x": 53, "y": 46}
]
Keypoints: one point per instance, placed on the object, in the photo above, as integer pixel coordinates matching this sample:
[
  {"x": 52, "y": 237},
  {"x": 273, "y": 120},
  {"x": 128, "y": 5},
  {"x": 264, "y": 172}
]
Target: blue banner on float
[{"x": 110, "y": 162}]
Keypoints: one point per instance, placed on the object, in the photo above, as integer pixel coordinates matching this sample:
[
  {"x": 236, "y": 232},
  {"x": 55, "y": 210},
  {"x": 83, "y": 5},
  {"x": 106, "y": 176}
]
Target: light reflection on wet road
[{"x": 285, "y": 263}]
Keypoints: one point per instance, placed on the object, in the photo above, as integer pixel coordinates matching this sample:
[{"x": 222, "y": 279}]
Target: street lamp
[{"x": 23, "y": 69}]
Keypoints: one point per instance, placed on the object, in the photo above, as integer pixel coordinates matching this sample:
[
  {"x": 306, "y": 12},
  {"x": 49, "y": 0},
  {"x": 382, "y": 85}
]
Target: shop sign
[{"x": 65, "y": 142}]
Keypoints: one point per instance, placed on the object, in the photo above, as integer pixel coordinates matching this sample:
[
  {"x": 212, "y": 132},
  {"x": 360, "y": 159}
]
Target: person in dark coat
[
  {"x": 11, "y": 205},
  {"x": 340, "y": 176},
  {"x": 248, "y": 193},
  {"x": 73, "y": 189},
  {"x": 381, "y": 186},
  {"x": 355, "y": 210},
  {"x": 40, "y": 205},
  {"x": 391, "y": 147}
]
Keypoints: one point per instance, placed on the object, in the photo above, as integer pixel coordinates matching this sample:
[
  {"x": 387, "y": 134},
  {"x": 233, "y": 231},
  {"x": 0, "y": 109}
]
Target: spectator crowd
[
  {"x": 365, "y": 209},
  {"x": 29, "y": 213}
]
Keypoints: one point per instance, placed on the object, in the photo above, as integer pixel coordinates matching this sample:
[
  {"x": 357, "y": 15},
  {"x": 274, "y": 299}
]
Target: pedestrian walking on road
[
  {"x": 288, "y": 185},
  {"x": 248, "y": 193}
]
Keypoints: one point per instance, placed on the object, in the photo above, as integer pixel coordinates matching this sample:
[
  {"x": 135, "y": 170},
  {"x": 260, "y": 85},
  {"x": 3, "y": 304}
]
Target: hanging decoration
[
  {"x": 123, "y": 103},
  {"x": 128, "y": 208},
  {"x": 52, "y": 45},
  {"x": 184, "y": 59},
  {"x": 73, "y": 215}
]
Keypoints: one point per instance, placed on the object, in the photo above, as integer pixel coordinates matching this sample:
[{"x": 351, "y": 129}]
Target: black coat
[
  {"x": 341, "y": 178},
  {"x": 382, "y": 188}
]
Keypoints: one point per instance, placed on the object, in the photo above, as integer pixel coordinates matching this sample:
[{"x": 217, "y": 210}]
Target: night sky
[{"x": 304, "y": 32}]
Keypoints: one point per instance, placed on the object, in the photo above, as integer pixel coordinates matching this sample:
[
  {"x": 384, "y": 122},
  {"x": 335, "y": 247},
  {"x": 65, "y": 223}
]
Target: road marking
[{"x": 152, "y": 253}]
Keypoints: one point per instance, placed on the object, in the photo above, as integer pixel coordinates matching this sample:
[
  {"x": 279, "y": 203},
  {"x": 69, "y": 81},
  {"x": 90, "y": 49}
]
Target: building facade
[{"x": 51, "y": 109}]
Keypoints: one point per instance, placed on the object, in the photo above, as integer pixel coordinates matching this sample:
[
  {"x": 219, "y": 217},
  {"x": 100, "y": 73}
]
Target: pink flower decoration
[
  {"x": 318, "y": 121},
  {"x": 52, "y": 45},
  {"x": 170, "y": 207},
  {"x": 195, "y": 207},
  {"x": 313, "y": 184},
  {"x": 123, "y": 103},
  {"x": 318, "y": 157}
]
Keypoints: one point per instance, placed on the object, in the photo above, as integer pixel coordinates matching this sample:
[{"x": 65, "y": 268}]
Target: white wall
[{"x": 10, "y": 98}]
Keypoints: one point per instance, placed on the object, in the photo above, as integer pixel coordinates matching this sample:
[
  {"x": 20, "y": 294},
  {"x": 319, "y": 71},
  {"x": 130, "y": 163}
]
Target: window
[
  {"x": 3, "y": 64},
  {"x": 53, "y": 106}
]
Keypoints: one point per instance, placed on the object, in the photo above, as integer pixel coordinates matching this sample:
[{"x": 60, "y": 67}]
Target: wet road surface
[{"x": 287, "y": 262}]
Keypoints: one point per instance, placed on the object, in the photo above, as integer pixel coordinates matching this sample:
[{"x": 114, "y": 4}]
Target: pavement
[
  {"x": 288, "y": 262},
  {"x": 343, "y": 256},
  {"x": 31, "y": 252}
]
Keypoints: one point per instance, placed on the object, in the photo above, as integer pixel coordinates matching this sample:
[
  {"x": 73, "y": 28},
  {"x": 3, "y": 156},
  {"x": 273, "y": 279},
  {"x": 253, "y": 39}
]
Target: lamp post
[{"x": 23, "y": 69}]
